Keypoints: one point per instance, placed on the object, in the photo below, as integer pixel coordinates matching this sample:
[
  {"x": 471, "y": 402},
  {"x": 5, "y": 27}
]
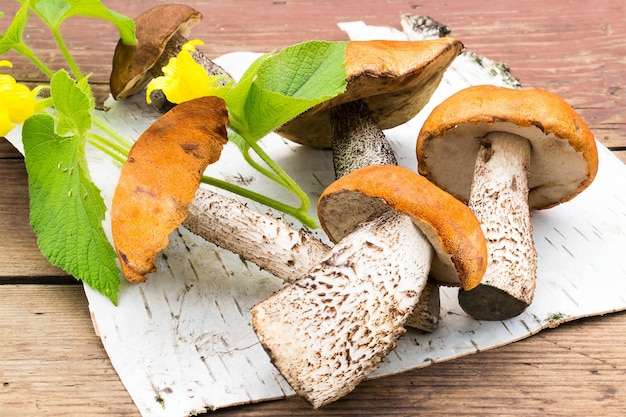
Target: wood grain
[
  {"x": 575, "y": 48},
  {"x": 54, "y": 365},
  {"x": 20, "y": 258}
]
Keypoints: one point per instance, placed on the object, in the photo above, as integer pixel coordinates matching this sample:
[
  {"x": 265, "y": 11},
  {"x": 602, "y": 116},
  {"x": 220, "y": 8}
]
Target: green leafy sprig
[{"x": 67, "y": 209}]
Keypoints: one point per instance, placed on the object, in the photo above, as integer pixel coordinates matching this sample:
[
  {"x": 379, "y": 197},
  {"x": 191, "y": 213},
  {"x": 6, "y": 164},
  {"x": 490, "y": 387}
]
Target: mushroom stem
[
  {"x": 268, "y": 242},
  {"x": 330, "y": 329},
  {"x": 499, "y": 199},
  {"x": 275, "y": 247},
  {"x": 357, "y": 139}
]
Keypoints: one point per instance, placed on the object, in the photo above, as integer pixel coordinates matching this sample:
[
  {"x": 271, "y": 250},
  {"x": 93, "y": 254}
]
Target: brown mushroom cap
[
  {"x": 154, "y": 28},
  {"x": 449, "y": 225},
  {"x": 564, "y": 158},
  {"x": 395, "y": 78}
]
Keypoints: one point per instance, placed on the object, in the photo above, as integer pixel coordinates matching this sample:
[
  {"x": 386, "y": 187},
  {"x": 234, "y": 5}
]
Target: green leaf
[
  {"x": 66, "y": 208},
  {"x": 73, "y": 102},
  {"x": 285, "y": 85},
  {"x": 54, "y": 12},
  {"x": 12, "y": 38}
]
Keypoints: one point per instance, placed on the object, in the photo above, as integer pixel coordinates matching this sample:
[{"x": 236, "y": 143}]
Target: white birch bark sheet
[{"x": 182, "y": 342}]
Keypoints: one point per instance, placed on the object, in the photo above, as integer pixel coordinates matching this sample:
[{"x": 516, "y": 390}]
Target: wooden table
[{"x": 53, "y": 364}]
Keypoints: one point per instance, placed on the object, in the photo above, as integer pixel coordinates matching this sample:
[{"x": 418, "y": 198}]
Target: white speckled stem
[
  {"x": 268, "y": 242},
  {"x": 499, "y": 198},
  {"x": 330, "y": 329},
  {"x": 274, "y": 246}
]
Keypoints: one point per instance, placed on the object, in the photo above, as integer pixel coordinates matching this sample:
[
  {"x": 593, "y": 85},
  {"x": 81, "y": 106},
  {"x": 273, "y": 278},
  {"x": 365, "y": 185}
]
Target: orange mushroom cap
[
  {"x": 160, "y": 178},
  {"x": 449, "y": 225},
  {"x": 564, "y": 157},
  {"x": 395, "y": 78}
]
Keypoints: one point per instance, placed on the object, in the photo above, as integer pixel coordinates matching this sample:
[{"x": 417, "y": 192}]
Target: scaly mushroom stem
[
  {"x": 346, "y": 314},
  {"x": 357, "y": 139},
  {"x": 499, "y": 199},
  {"x": 268, "y": 242},
  {"x": 275, "y": 247},
  {"x": 331, "y": 329}
]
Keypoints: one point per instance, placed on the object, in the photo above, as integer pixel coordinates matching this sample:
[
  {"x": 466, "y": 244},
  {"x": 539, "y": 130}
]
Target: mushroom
[
  {"x": 274, "y": 246},
  {"x": 395, "y": 78},
  {"x": 161, "y": 32},
  {"x": 332, "y": 327},
  {"x": 388, "y": 83},
  {"x": 159, "y": 189},
  {"x": 159, "y": 180},
  {"x": 505, "y": 152}
]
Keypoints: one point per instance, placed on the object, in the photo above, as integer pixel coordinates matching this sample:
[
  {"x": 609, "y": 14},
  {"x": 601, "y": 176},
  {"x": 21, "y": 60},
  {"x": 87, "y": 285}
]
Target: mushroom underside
[{"x": 557, "y": 170}]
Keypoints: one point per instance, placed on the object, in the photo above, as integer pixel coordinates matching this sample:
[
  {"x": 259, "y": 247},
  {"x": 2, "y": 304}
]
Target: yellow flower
[
  {"x": 184, "y": 79},
  {"x": 17, "y": 102}
]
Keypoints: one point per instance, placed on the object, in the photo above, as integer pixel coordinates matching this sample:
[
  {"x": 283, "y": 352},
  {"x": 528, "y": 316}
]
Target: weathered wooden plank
[
  {"x": 573, "y": 48},
  {"x": 20, "y": 258},
  {"x": 54, "y": 365},
  {"x": 7, "y": 150}
]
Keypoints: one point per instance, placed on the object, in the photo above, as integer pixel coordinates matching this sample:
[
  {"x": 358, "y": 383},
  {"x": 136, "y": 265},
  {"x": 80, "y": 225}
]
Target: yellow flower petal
[
  {"x": 183, "y": 78},
  {"x": 5, "y": 122},
  {"x": 17, "y": 102}
]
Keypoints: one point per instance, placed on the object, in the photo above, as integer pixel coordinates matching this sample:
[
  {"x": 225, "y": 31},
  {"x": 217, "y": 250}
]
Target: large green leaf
[
  {"x": 66, "y": 208},
  {"x": 73, "y": 102},
  {"x": 284, "y": 85}
]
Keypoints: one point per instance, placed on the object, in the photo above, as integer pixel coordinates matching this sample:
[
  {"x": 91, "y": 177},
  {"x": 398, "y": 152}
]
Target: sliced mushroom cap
[
  {"x": 563, "y": 161},
  {"x": 154, "y": 28},
  {"x": 160, "y": 178},
  {"x": 395, "y": 78},
  {"x": 449, "y": 225}
]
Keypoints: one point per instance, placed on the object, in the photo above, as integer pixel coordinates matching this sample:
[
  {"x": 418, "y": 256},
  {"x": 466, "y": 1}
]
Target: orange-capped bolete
[
  {"x": 332, "y": 327},
  {"x": 159, "y": 179},
  {"x": 395, "y": 79},
  {"x": 161, "y": 32},
  {"x": 506, "y": 151}
]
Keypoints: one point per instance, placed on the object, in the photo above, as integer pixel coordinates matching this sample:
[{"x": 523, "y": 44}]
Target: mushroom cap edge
[
  {"x": 564, "y": 157},
  {"x": 154, "y": 27},
  {"x": 449, "y": 225}
]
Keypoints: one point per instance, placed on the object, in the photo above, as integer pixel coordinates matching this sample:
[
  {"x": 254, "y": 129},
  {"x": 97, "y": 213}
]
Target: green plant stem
[
  {"x": 66, "y": 54},
  {"x": 122, "y": 141},
  {"x": 285, "y": 179},
  {"x": 254, "y": 164},
  {"x": 120, "y": 153},
  {"x": 299, "y": 213},
  {"x": 101, "y": 143}
]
